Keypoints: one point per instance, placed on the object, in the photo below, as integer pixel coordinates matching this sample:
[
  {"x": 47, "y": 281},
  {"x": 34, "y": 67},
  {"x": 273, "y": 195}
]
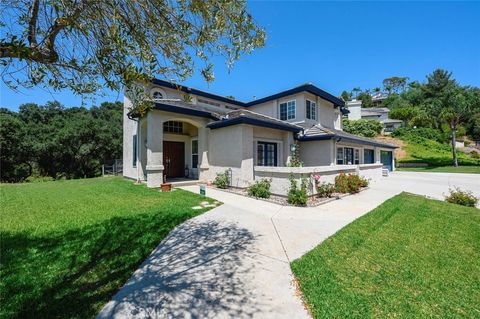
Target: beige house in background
[
  {"x": 194, "y": 134},
  {"x": 379, "y": 114}
]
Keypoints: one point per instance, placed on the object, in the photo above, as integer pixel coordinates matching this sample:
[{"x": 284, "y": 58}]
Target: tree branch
[{"x": 32, "y": 24}]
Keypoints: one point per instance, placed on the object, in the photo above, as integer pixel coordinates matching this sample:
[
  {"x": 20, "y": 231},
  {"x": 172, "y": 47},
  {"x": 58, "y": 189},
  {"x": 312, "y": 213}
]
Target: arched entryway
[
  {"x": 176, "y": 147},
  {"x": 180, "y": 149}
]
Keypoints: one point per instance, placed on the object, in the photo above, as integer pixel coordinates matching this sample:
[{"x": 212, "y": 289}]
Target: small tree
[
  {"x": 366, "y": 99},
  {"x": 346, "y": 96},
  {"x": 454, "y": 109}
]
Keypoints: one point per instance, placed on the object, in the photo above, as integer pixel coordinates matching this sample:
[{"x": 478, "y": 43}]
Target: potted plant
[{"x": 165, "y": 187}]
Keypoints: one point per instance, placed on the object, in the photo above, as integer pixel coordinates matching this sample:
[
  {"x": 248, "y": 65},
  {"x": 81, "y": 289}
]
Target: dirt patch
[{"x": 400, "y": 151}]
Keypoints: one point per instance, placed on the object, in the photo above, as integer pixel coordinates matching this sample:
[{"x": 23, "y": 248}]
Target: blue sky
[{"x": 337, "y": 46}]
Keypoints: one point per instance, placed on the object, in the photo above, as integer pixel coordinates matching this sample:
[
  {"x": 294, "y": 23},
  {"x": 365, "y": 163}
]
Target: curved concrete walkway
[{"x": 233, "y": 261}]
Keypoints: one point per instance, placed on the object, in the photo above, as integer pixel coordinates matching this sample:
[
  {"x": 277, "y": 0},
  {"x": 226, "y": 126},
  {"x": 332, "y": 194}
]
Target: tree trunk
[{"x": 453, "y": 127}]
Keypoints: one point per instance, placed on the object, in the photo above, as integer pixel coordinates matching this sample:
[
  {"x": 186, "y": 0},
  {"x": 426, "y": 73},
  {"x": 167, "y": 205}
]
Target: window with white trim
[
  {"x": 340, "y": 155},
  {"x": 348, "y": 155},
  {"x": 194, "y": 153},
  {"x": 134, "y": 151},
  {"x": 173, "y": 127},
  {"x": 310, "y": 110},
  {"x": 287, "y": 110},
  {"x": 267, "y": 154}
]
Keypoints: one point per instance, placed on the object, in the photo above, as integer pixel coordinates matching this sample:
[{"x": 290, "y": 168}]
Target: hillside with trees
[
  {"x": 436, "y": 114},
  {"x": 57, "y": 142}
]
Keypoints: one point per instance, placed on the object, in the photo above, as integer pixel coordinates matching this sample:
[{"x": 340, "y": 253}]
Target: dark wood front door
[{"x": 174, "y": 159}]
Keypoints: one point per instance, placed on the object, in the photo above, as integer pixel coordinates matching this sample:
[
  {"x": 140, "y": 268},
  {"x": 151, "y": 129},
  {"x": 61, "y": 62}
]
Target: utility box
[{"x": 203, "y": 190}]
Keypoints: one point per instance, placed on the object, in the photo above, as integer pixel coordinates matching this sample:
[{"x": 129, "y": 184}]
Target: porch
[{"x": 171, "y": 148}]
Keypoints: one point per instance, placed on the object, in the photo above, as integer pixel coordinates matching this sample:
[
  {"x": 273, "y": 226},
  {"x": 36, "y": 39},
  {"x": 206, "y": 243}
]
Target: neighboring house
[
  {"x": 210, "y": 134},
  {"x": 378, "y": 98},
  {"x": 379, "y": 114}
]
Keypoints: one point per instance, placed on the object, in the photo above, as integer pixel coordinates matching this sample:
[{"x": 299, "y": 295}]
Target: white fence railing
[{"x": 114, "y": 167}]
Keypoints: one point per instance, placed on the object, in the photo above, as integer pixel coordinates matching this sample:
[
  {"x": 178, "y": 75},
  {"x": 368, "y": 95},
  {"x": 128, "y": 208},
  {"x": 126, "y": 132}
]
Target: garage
[{"x": 386, "y": 157}]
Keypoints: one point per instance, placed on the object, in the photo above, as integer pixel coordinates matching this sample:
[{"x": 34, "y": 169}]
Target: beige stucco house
[
  {"x": 195, "y": 134},
  {"x": 379, "y": 114}
]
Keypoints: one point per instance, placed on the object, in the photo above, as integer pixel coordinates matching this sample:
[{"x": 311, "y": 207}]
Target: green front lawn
[
  {"x": 411, "y": 257},
  {"x": 68, "y": 246},
  {"x": 443, "y": 169}
]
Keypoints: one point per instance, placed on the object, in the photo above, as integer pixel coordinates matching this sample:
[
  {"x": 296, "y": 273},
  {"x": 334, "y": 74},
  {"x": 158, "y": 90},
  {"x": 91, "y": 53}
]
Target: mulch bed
[{"x": 313, "y": 201}]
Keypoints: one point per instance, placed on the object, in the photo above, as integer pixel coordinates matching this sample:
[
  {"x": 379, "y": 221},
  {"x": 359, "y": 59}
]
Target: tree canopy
[
  {"x": 81, "y": 44},
  {"x": 439, "y": 103},
  {"x": 58, "y": 142}
]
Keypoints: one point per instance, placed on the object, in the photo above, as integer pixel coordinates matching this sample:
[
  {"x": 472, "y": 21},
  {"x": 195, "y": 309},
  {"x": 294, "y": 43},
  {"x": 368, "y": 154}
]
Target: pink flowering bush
[{"x": 323, "y": 189}]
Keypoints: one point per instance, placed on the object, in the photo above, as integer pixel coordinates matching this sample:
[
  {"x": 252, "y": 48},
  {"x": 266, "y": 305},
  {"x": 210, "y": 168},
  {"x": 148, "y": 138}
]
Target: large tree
[
  {"x": 395, "y": 84},
  {"x": 81, "y": 44},
  {"x": 55, "y": 141}
]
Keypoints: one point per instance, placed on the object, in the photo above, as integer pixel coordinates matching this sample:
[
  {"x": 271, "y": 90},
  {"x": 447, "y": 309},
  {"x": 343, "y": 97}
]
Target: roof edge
[
  {"x": 255, "y": 122},
  {"x": 302, "y": 88}
]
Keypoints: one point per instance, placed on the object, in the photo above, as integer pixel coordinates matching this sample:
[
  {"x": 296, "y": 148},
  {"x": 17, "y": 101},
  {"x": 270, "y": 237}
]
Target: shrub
[
  {"x": 325, "y": 189},
  {"x": 260, "y": 189},
  {"x": 364, "y": 182},
  {"x": 367, "y": 128},
  {"x": 459, "y": 197},
  {"x": 221, "y": 181},
  {"x": 422, "y": 132},
  {"x": 349, "y": 183},
  {"x": 297, "y": 196}
]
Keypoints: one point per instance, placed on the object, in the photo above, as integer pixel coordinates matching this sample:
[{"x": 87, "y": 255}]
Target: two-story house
[{"x": 195, "y": 134}]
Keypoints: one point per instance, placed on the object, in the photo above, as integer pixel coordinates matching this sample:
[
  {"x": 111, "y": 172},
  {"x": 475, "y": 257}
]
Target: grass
[
  {"x": 68, "y": 246},
  {"x": 443, "y": 169},
  {"x": 422, "y": 150},
  {"x": 411, "y": 257}
]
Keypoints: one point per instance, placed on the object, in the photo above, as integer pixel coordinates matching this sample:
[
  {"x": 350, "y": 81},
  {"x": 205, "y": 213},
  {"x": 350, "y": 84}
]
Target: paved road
[{"x": 233, "y": 261}]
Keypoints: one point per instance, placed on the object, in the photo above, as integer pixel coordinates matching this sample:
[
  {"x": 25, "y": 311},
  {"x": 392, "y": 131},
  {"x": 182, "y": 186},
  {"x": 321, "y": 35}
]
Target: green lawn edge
[
  {"x": 68, "y": 246},
  {"x": 409, "y": 257},
  {"x": 442, "y": 169}
]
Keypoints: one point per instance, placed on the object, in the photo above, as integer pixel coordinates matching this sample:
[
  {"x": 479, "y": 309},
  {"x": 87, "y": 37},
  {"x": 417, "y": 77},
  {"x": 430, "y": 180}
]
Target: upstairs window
[
  {"x": 157, "y": 95},
  {"x": 287, "y": 110},
  {"x": 175, "y": 127},
  {"x": 311, "y": 110}
]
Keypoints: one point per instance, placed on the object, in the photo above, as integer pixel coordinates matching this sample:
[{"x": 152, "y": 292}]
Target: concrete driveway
[{"x": 233, "y": 261}]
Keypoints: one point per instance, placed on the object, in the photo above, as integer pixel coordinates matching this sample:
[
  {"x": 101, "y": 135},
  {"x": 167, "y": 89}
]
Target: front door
[{"x": 174, "y": 159}]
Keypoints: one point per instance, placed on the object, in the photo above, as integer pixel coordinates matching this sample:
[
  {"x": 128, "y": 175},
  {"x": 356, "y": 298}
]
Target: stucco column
[
  {"x": 154, "y": 150},
  {"x": 203, "y": 150},
  {"x": 288, "y": 142}
]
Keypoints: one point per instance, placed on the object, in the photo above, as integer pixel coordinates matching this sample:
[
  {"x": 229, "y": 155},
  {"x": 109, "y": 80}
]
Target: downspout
[{"x": 137, "y": 147}]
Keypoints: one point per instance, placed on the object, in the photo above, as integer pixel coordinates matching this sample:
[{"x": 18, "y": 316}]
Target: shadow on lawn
[{"x": 73, "y": 274}]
